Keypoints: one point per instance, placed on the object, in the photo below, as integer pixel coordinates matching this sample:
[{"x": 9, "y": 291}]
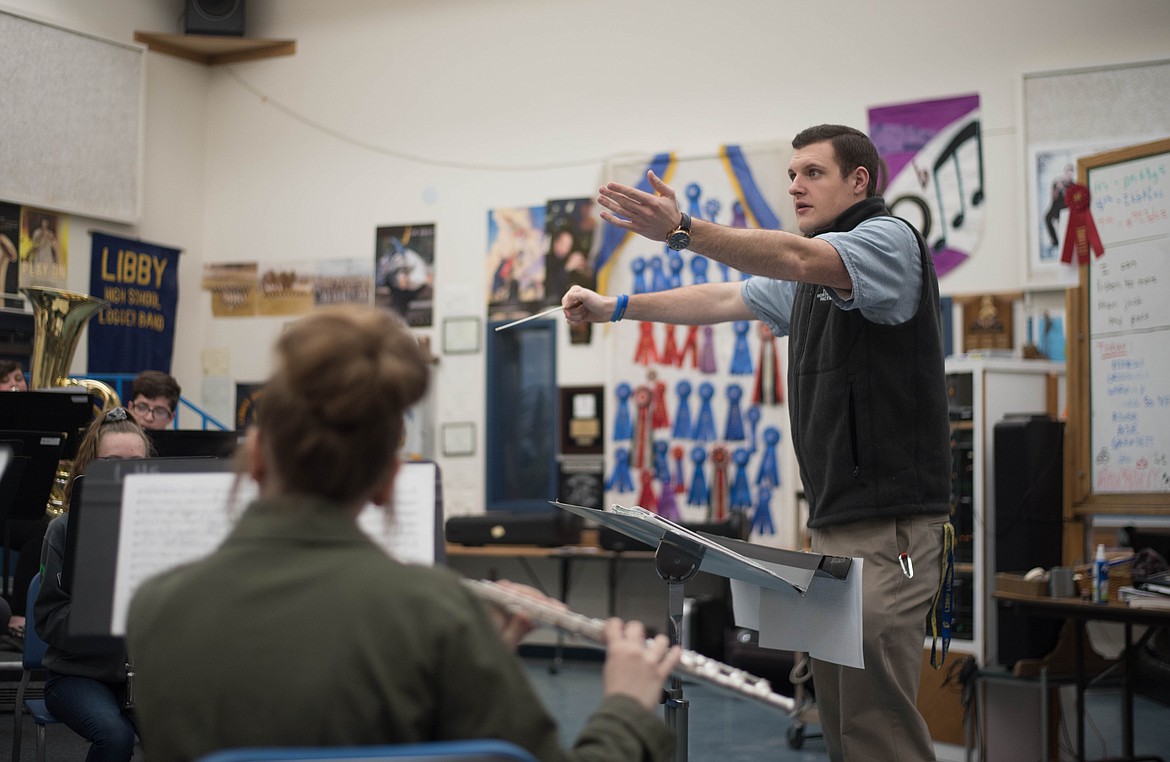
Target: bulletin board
[
  {"x": 1119, "y": 372},
  {"x": 72, "y": 120}
]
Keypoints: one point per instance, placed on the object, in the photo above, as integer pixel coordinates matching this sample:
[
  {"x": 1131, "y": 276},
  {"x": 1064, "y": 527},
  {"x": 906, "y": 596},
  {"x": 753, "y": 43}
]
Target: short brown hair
[
  {"x": 332, "y": 413},
  {"x": 155, "y": 383},
  {"x": 852, "y": 148}
]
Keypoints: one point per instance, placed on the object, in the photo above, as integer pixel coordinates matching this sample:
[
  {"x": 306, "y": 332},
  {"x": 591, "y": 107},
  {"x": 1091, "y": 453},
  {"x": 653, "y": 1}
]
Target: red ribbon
[{"x": 1081, "y": 232}]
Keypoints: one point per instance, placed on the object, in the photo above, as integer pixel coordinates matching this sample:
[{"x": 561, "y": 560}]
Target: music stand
[
  {"x": 28, "y": 481},
  {"x": 681, "y": 553}
]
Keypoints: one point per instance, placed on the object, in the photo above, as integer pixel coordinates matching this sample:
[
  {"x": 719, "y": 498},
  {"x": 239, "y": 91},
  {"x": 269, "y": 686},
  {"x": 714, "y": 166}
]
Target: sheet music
[
  {"x": 168, "y": 519},
  {"x": 408, "y": 532}
]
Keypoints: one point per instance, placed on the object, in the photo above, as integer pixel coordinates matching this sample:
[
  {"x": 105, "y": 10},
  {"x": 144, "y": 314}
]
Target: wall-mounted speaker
[{"x": 224, "y": 17}]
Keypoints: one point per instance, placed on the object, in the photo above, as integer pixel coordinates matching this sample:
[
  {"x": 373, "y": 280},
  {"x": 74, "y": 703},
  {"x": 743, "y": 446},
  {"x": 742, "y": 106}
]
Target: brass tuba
[{"x": 58, "y": 317}]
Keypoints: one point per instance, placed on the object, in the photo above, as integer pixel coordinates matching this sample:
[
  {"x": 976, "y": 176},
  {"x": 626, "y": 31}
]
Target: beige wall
[{"x": 533, "y": 83}]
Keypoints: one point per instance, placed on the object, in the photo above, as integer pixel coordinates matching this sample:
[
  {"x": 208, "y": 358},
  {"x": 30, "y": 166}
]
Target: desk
[{"x": 1081, "y": 612}]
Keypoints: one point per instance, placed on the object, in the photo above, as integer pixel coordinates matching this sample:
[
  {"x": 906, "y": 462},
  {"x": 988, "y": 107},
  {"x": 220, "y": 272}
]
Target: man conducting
[{"x": 857, "y": 295}]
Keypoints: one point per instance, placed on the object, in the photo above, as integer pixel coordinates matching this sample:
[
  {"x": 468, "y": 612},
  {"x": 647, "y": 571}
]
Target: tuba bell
[{"x": 58, "y": 317}]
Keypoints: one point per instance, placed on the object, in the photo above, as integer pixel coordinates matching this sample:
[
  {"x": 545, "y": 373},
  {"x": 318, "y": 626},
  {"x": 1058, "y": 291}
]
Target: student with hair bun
[{"x": 300, "y": 631}]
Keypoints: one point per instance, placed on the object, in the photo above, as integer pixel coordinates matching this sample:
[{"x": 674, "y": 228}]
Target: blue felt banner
[{"x": 141, "y": 282}]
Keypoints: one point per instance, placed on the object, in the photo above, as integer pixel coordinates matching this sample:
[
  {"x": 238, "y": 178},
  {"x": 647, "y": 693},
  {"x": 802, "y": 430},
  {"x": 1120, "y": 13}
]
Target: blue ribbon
[
  {"x": 661, "y": 469},
  {"x": 741, "y": 491},
  {"x": 638, "y": 265},
  {"x": 734, "y": 430},
  {"x": 762, "y": 519},
  {"x": 694, "y": 191},
  {"x": 623, "y": 427},
  {"x": 620, "y": 480},
  {"x": 769, "y": 471},
  {"x": 682, "y": 416},
  {"x": 699, "y": 268},
  {"x": 741, "y": 358},
  {"x": 675, "y": 264},
  {"x": 753, "y": 416},
  {"x": 705, "y": 423},
  {"x": 698, "y": 494},
  {"x": 613, "y": 237},
  {"x": 658, "y": 280}
]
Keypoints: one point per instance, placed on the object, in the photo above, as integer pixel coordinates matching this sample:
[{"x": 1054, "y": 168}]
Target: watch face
[{"x": 679, "y": 240}]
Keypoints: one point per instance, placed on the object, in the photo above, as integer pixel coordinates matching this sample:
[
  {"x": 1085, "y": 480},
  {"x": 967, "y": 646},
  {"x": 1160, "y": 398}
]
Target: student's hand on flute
[
  {"x": 634, "y": 666},
  {"x": 514, "y": 625}
]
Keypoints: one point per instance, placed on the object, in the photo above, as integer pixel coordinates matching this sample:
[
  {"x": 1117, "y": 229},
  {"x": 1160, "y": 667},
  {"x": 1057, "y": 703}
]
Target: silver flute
[{"x": 692, "y": 664}]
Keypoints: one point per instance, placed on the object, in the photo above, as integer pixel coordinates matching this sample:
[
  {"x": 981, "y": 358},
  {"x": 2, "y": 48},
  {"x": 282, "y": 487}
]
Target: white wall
[{"x": 532, "y": 83}]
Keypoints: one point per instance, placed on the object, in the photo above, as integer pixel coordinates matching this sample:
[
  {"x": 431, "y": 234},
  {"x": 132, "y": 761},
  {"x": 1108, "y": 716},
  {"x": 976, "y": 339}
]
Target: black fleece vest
[{"x": 868, "y": 401}]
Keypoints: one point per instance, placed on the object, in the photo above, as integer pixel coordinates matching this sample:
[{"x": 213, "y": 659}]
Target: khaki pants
[{"x": 871, "y": 714}]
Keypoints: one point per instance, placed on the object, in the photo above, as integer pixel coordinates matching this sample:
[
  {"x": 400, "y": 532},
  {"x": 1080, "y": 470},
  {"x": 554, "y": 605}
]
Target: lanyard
[{"x": 946, "y": 585}]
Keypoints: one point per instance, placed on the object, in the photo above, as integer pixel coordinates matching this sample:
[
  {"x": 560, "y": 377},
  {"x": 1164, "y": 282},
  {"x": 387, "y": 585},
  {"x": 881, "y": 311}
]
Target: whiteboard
[
  {"x": 1129, "y": 320},
  {"x": 71, "y": 120}
]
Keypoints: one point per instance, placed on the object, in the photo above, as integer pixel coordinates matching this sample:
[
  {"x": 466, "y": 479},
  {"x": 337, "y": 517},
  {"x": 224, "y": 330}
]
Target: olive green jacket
[{"x": 300, "y": 631}]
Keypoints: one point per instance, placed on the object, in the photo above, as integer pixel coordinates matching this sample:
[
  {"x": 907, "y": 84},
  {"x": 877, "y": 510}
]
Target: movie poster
[
  {"x": 515, "y": 262},
  {"x": 44, "y": 248},
  {"x": 568, "y": 233},
  {"x": 404, "y": 271}
]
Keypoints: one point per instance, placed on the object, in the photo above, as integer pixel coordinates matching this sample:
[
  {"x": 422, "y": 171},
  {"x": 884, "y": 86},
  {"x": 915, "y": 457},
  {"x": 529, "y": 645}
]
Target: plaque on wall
[
  {"x": 987, "y": 323},
  {"x": 582, "y": 413}
]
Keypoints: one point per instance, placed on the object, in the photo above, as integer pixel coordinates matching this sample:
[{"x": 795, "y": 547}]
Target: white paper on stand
[{"x": 825, "y": 623}]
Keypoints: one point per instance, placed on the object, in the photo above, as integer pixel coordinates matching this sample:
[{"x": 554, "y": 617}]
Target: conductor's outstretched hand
[
  {"x": 584, "y": 306},
  {"x": 651, "y": 215},
  {"x": 635, "y": 667}
]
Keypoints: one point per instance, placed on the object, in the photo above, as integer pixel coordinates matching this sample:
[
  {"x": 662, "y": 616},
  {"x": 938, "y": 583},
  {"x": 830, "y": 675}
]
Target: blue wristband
[{"x": 619, "y": 310}]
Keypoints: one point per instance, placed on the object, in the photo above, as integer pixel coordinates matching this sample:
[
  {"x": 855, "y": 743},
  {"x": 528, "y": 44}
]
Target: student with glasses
[
  {"x": 154, "y": 397},
  {"x": 86, "y": 687}
]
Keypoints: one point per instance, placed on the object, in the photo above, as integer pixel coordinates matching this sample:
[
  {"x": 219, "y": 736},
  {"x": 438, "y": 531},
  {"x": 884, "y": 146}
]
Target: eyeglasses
[{"x": 160, "y": 413}]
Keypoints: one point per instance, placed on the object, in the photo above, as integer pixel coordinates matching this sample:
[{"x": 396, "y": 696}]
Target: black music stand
[
  {"x": 680, "y": 554},
  {"x": 27, "y": 483}
]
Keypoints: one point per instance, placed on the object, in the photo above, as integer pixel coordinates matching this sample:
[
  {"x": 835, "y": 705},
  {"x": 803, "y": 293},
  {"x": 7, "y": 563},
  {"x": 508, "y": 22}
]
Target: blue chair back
[
  {"x": 34, "y": 647},
  {"x": 472, "y": 750}
]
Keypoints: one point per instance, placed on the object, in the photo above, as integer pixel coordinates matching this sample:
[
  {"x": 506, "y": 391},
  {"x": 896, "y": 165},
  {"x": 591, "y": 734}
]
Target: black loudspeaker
[
  {"x": 1029, "y": 480},
  {"x": 223, "y": 17}
]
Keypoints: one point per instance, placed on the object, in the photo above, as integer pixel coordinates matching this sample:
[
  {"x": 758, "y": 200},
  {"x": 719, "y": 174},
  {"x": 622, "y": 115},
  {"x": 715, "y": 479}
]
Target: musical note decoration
[
  {"x": 623, "y": 427},
  {"x": 619, "y": 479}
]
